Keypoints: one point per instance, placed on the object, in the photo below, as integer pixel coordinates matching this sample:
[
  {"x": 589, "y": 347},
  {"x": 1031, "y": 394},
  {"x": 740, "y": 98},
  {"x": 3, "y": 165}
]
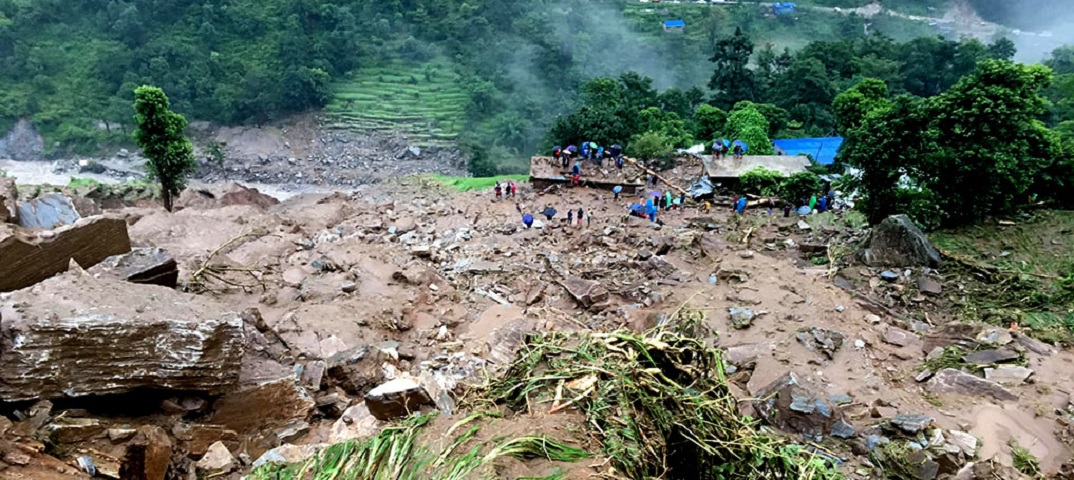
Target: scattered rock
[
  {"x": 349, "y": 287},
  {"x": 923, "y": 375},
  {"x": 965, "y": 442},
  {"x": 898, "y": 242},
  {"x": 889, "y": 276},
  {"x": 396, "y": 398},
  {"x": 586, "y": 292},
  {"x": 746, "y": 254},
  {"x": 803, "y": 226},
  {"x": 117, "y": 435},
  {"x": 954, "y": 381},
  {"x": 911, "y": 424},
  {"x": 659, "y": 266},
  {"x": 1032, "y": 344},
  {"x": 217, "y": 460},
  {"x": 197, "y": 437},
  {"x": 899, "y": 337},
  {"x": 66, "y": 430},
  {"x": 822, "y": 341},
  {"x": 990, "y": 357},
  {"x": 288, "y": 454},
  {"x": 160, "y": 339},
  {"x": 996, "y": 336},
  {"x": 356, "y": 423},
  {"x": 1008, "y": 374},
  {"x": 929, "y": 286},
  {"x": 842, "y": 429},
  {"x": 741, "y": 317},
  {"x": 788, "y": 405}
]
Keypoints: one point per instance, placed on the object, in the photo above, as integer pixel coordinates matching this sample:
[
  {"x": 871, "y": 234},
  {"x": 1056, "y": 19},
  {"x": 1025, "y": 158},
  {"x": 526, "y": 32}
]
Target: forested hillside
[{"x": 507, "y": 67}]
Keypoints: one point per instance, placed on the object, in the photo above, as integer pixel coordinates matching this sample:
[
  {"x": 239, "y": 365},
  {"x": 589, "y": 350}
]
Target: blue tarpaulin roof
[
  {"x": 822, "y": 149},
  {"x": 674, "y": 24}
]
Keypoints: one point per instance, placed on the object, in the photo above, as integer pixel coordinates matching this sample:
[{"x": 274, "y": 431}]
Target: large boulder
[
  {"x": 586, "y": 292},
  {"x": 791, "y": 406},
  {"x": 958, "y": 382},
  {"x": 898, "y": 242},
  {"x": 48, "y": 211},
  {"x": 29, "y": 258},
  {"x": 74, "y": 336},
  {"x": 269, "y": 405},
  {"x": 396, "y": 398}
]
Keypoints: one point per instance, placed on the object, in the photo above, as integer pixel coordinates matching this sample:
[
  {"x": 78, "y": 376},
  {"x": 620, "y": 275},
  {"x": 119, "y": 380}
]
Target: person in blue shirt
[
  {"x": 741, "y": 207},
  {"x": 527, "y": 220},
  {"x": 585, "y": 149},
  {"x": 823, "y": 206},
  {"x": 576, "y": 169}
]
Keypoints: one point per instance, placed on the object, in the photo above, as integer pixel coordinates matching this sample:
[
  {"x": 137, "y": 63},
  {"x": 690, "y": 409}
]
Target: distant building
[
  {"x": 783, "y": 8},
  {"x": 822, "y": 149},
  {"x": 674, "y": 26}
]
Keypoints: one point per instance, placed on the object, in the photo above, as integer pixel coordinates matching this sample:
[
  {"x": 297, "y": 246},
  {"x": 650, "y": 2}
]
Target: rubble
[
  {"x": 150, "y": 266},
  {"x": 741, "y": 317},
  {"x": 787, "y": 405},
  {"x": 155, "y": 338},
  {"x": 148, "y": 455},
  {"x": 958, "y": 382},
  {"x": 396, "y": 398},
  {"x": 823, "y": 341},
  {"x": 898, "y": 242},
  {"x": 586, "y": 292},
  {"x": 31, "y": 258}
]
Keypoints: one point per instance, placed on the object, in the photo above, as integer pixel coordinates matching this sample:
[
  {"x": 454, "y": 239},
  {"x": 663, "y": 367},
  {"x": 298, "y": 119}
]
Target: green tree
[
  {"x": 748, "y": 125},
  {"x": 851, "y": 106},
  {"x": 652, "y": 147},
  {"x": 799, "y": 186},
  {"x": 761, "y": 181},
  {"x": 668, "y": 124},
  {"x": 708, "y": 122},
  {"x": 732, "y": 80},
  {"x": 159, "y": 133},
  {"x": 480, "y": 164}
]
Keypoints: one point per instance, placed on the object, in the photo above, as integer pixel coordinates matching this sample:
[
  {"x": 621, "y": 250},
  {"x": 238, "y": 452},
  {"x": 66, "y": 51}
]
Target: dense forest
[{"x": 71, "y": 67}]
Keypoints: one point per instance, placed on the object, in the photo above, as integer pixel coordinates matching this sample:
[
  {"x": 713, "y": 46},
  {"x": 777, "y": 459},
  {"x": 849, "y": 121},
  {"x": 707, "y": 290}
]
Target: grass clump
[
  {"x": 467, "y": 184},
  {"x": 1023, "y": 460},
  {"x": 659, "y": 403}
]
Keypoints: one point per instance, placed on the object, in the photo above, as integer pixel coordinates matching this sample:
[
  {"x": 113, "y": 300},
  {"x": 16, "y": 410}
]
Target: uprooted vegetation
[{"x": 657, "y": 405}]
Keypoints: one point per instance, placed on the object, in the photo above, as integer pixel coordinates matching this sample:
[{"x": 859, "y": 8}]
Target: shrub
[{"x": 761, "y": 181}]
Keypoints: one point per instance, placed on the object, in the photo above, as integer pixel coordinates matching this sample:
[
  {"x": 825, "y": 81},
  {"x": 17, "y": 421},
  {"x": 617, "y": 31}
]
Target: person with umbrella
[
  {"x": 740, "y": 148},
  {"x": 527, "y": 220},
  {"x": 617, "y": 190},
  {"x": 549, "y": 212}
]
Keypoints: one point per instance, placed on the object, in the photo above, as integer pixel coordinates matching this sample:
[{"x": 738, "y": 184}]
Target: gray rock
[
  {"x": 965, "y": 442},
  {"x": 349, "y": 287},
  {"x": 958, "y": 382},
  {"x": 217, "y": 461},
  {"x": 586, "y": 292},
  {"x": 48, "y": 211},
  {"x": 899, "y": 337},
  {"x": 898, "y": 242},
  {"x": 741, "y": 317},
  {"x": 150, "y": 266},
  {"x": 990, "y": 357},
  {"x": 802, "y": 225},
  {"x": 823, "y": 341},
  {"x": 396, "y": 398},
  {"x": 1008, "y": 374},
  {"x": 1032, "y": 345},
  {"x": 911, "y": 423},
  {"x": 843, "y": 429},
  {"x": 9, "y": 201},
  {"x": 929, "y": 286},
  {"x": 790, "y": 406},
  {"x": 889, "y": 276}
]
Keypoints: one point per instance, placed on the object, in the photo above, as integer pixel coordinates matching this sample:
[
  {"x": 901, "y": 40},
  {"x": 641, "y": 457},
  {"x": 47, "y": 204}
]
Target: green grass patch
[
  {"x": 467, "y": 184},
  {"x": 83, "y": 183},
  {"x": 1023, "y": 460}
]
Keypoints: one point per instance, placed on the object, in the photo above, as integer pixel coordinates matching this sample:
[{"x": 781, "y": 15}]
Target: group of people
[
  {"x": 590, "y": 151},
  {"x": 508, "y": 189},
  {"x": 721, "y": 147},
  {"x": 656, "y": 202},
  {"x": 550, "y": 212}
]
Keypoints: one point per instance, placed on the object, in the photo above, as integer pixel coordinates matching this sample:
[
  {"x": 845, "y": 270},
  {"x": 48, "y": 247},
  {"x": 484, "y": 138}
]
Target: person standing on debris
[
  {"x": 812, "y": 202},
  {"x": 557, "y": 153},
  {"x": 527, "y": 220},
  {"x": 514, "y": 189},
  {"x": 734, "y": 203},
  {"x": 576, "y": 169},
  {"x": 549, "y": 212},
  {"x": 570, "y": 217},
  {"x": 585, "y": 150},
  {"x": 600, "y": 156},
  {"x": 581, "y": 215},
  {"x": 650, "y": 209},
  {"x": 667, "y": 200},
  {"x": 741, "y": 207},
  {"x": 499, "y": 190},
  {"x": 682, "y": 200},
  {"x": 616, "y": 190},
  {"x": 576, "y": 180},
  {"x": 786, "y": 210},
  {"x": 823, "y": 206}
]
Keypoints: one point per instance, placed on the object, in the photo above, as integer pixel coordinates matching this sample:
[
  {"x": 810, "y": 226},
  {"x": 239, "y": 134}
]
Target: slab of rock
[
  {"x": 356, "y": 423},
  {"x": 659, "y": 266},
  {"x": 48, "y": 211},
  {"x": 998, "y": 336},
  {"x": 120, "y": 434},
  {"x": 1008, "y": 374},
  {"x": 198, "y": 437},
  {"x": 73, "y": 336},
  {"x": 586, "y": 292},
  {"x": 958, "y": 382},
  {"x": 29, "y": 258},
  {"x": 269, "y": 405},
  {"x": 789, "y": 405},
  {"x": 1031, "y": 344},
  {"x": 217, "y": 460},
  {"x": 65, "y": 430},
  {"x": 396, "y": 398},
  {"x": 898, "y": 242},
  {"x": 990, "y": 357},
  {"x": 929, "y": 286},
  {"x": 911, "y": 423},
  {"x": 965, "y": 442},
  {"x": 822, "y": 341},
  {"x": 9, "y": 201},
  {"x": 960, "y": 334},
  {"x": 148, "y": 455},
  {"x": 899, "y": 337},
  {"x": 151, "y": 266}
]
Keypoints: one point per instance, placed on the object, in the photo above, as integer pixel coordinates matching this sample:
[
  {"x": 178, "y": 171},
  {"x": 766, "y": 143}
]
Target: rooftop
[{"x": 733, "y": 168}]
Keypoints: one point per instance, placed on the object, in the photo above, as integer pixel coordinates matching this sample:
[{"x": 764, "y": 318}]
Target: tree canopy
[{"x": 159, "y": 133}]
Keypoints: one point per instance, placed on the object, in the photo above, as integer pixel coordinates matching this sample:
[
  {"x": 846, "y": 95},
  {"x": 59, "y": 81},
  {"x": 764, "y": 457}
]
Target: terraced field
[{"x": 423, "y": 101}]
